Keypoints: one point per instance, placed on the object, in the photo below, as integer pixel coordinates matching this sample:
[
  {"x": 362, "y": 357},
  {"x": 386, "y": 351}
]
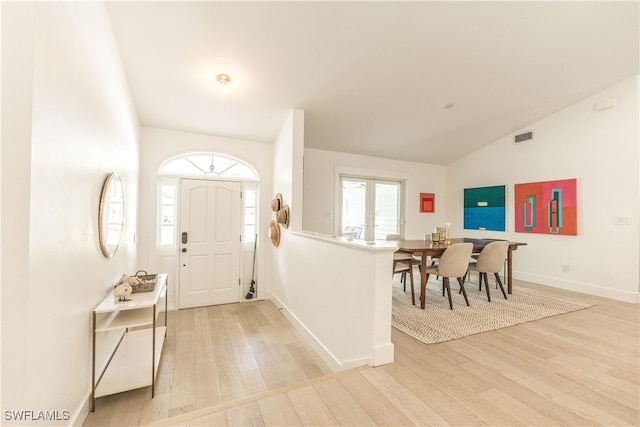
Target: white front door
[{"x": 209, "y": 242}]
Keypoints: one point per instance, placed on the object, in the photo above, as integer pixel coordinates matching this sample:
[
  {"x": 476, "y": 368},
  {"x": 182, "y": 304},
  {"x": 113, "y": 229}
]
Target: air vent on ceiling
[{"x": 524, "y": 137}]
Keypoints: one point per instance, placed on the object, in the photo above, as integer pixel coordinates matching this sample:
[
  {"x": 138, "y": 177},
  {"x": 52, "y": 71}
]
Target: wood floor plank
[
  {"x": 563, "y": 370},
  {"x": 229, "y": 379},
  {"x": 248, "y": 414},
  {"x": 310, "y": 408},
  {"x": 271, "y": 370},
  {"x": 185, "y": 335},
  {"x": 381, "y": 409},
  {"x": 462, "y": 396},
  {"x": 413, "y": 408},
  {"x": 443, "y": 404},
  {"x": 593, "y": 370},
  {"x": 203, "y": 345},
  {"x": 525, "y": 414},
  {"x": 183, "y": 389},
  {"x": 540, "y": 383},
  {"x": 207, "y": 389},
  {"x": 291, "y": 369},
  {"x": 520, "y": 360},
  {"x": 125, "y": 413},
  {"x": 243, "y": 355},
  {"x": 277, "y": 411},
  {"x": 215, "y": 419},
  {"x": 605, "y": 402},
  {"x": 524, "y": 395},
  {"x": 156, "y": 408},
  {"x": 343, "y": 406},
  {"x": 252, "y": 381}
]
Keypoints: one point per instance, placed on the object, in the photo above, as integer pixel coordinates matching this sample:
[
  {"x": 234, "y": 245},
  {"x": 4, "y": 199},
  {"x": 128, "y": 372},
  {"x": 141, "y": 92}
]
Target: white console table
[{"x": 128, "y": 350}]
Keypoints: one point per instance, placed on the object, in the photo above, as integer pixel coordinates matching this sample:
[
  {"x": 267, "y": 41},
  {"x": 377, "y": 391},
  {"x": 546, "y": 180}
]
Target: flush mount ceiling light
[{"x": 223, "y": 79}]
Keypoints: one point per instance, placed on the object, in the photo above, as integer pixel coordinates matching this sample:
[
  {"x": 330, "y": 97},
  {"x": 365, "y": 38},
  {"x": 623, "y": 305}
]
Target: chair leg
[
  {"x": 486, "y": 285},
  {"x": 464, "y": 292},
  {"x": 426, "y": 280},
  {"x": 499, "y": 282},
  {"x": 479, "y": 281},
  {"x": 464, "y": 280},
  {"x": 413, "y": 295},
  {"x": 445, "y": 282}
]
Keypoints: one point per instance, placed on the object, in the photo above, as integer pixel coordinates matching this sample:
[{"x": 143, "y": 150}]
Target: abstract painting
[
  {"x": 548, "y": 207},
  {"x": 485, "y": 208},
  {"x": 427, "y": 202}
]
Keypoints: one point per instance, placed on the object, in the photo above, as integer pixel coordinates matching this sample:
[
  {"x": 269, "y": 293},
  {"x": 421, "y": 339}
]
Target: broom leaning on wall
[{"x": 252, "y": 287}]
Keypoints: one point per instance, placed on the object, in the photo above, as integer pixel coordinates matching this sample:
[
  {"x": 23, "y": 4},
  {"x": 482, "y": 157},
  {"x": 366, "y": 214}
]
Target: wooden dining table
[{"x": 427, "y": 248}]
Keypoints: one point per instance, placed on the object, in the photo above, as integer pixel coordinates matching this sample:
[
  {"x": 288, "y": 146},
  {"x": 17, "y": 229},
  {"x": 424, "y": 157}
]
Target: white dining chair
[
  {"x": 454, "y": 262},
  {"x": 491, "y": 260}
]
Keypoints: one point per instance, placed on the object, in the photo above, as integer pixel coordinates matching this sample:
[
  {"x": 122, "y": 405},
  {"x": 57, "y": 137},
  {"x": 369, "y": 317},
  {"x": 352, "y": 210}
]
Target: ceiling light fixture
[
  {"x": 223, "y": 83},
  {"x": 223, "y": 79}
]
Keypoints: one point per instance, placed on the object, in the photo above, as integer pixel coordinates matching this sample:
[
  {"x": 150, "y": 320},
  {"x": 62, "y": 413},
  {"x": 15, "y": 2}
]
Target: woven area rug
[{"x": 438, "y": 323}]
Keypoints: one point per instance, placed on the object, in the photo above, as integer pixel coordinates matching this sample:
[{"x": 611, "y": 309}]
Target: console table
[{"x": 127, "y": 352}]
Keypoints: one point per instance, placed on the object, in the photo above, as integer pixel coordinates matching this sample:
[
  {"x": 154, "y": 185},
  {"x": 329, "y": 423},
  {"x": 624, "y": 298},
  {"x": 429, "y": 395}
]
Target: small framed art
[{"x": 427, "y": 202}]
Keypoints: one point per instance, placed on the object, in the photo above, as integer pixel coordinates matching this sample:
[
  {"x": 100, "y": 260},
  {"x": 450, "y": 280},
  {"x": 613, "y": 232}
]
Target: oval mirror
[{"x": 111, "y": 220}]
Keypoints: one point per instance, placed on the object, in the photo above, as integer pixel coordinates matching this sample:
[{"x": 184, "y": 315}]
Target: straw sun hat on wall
[
  {"x": 282, "y": 216},
  {"x": 274, "y": 233},
  {"x": 276, "y": 203}
]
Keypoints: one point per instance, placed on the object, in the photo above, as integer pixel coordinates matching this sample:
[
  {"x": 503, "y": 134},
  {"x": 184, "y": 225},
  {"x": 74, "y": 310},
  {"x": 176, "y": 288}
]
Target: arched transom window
[{"x": 210, "y": 165}]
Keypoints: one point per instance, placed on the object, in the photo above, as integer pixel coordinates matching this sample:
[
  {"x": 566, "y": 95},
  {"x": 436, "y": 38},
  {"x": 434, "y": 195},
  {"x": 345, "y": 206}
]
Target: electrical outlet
[
  {"x": 565, "y": 268},
  {"x": 621, "y": 220}
]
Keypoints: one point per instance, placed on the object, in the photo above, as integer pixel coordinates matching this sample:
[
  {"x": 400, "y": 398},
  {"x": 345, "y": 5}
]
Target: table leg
[
  {"x": 509, "y": 270},
  {"x": 423, "y": 280}
]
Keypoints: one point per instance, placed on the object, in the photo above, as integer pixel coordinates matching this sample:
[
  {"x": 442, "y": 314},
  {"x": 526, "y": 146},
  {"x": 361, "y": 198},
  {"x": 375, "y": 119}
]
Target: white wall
[
  {"x": 344, "y": 312},
  {"x": 601, "y": 150},
  {"x": 320, "y": 180},
  {"x": 157, "y": 145},
  {"x": 74, "y": 122}
]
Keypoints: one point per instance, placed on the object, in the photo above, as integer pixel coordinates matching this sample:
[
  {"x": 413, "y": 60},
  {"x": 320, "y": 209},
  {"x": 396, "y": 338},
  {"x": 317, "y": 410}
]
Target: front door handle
[
  {"x": 184, "y": 237},
  {"x": 184, "y": 249}
]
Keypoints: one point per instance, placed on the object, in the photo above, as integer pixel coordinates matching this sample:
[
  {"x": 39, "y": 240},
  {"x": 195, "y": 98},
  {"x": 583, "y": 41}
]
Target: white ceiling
[{"x": 372, "y": 77}]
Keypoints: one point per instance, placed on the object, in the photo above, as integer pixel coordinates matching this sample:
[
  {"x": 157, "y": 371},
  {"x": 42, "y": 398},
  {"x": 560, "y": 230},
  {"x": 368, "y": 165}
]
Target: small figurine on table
[{"x": 123, "y": 290}]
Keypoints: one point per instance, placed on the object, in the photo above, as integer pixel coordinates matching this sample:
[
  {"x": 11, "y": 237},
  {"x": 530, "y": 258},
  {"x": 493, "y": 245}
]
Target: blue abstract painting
[{"x": 485, "y": 208}]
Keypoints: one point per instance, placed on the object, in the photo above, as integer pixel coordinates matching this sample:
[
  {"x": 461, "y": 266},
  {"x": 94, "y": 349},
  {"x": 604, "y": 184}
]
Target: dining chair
[
  {"x": 453, "y": 263},
  {"x": 405, "y": 266},
  {"x": 403, "y": 262},
  {"x": 491, "y": 260},
  {"x": 402, "y": 255}
]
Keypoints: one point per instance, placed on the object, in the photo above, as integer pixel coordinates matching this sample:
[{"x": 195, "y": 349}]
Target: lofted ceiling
[{"x": 421, "y": 81}]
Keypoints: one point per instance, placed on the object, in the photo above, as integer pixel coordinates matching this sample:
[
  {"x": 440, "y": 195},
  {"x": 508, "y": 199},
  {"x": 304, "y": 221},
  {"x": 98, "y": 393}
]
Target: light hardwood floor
[{"x": 243, "y": 364}]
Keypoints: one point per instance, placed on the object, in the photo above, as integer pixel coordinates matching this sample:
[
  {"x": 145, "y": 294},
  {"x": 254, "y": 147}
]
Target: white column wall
[
  {"x": 337, "y": 294},
  {"x": 601, "y": 150},
  {"x": 74, "y": 121}
]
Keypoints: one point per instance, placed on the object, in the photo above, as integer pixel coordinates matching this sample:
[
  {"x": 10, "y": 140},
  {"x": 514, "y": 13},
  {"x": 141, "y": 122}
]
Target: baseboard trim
[
  {"x": 332, "y": 362},
  {"x": 584, "y": 288},
  {"x": 81, "y": 413}
]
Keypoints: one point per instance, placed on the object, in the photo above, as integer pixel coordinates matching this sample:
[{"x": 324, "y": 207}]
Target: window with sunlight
[{"x": 210, "y": 165}]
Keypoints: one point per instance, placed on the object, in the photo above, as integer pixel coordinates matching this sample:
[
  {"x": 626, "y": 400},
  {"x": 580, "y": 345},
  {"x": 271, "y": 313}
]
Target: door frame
[{"x": 167, "y": 252}]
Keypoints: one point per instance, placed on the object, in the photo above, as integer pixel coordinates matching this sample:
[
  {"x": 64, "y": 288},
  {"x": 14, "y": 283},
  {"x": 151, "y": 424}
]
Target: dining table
[{"x": 427, "y": 248}]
